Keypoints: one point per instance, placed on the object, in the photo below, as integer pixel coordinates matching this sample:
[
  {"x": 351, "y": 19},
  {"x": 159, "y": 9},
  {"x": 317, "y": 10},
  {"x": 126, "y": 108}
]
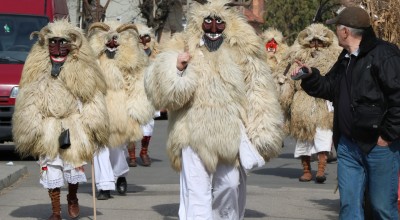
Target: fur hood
[
  {"x": 73, "y": 100},
  {"x": 218, "y": 92}
]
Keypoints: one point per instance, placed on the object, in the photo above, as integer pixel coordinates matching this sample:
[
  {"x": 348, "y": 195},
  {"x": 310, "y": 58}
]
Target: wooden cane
[{"x": 93, "y": 193}]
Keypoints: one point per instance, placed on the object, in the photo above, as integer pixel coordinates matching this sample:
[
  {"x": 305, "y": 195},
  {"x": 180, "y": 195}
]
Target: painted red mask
[
  {"x": 316, "y": 43},
  {"x": 213, "y": 28},
  {"x": 144, "y": 39},
  {"x": 112, "y": 46},
  {"x": 271, "y": 46},
  {"x": 59, "y": 49}
]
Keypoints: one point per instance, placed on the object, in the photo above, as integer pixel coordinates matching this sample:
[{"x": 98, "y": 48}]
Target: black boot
[
  {"x": 104, "y": 195},
  {"x": 122, "y": 185}
]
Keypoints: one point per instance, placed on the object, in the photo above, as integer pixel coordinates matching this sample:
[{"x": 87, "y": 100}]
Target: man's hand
[
  {"x": 295, "y": 72},
  {"x": 182, "y": 61},
  {"x": 382, "y": 142}
]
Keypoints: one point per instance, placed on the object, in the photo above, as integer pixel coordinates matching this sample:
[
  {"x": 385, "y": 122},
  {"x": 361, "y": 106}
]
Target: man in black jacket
[{"x": 364, "y": 86}]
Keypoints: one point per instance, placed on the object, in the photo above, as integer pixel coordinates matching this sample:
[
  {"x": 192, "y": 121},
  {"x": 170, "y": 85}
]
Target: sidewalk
[{"x": 9, "y": 174}]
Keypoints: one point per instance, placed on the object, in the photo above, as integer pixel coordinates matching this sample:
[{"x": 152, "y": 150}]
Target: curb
[{"x": 10, "y": 174}]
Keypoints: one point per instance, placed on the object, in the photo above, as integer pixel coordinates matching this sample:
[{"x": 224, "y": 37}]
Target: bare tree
[
  {"x": 156, "y": 13},
  {"x": 385, "y": 17},
  {"x": 93, "y": 11}
]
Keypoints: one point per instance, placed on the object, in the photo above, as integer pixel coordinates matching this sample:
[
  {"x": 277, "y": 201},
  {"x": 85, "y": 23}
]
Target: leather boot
[
  {"x": 73, "y": 205},
  {"x": 322, "y": 160},
  {"x": 305, "y": 161},
  {"x": 132, "y": 156},
  {"x": 122, "y": 185},
  {"x": 146, "y": 161},
  {"x": 55, "y": 204},
  {"x": 104, "y": 195}
]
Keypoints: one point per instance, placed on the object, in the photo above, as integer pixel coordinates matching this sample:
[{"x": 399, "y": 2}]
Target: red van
[{"x": 18, "y": 19}]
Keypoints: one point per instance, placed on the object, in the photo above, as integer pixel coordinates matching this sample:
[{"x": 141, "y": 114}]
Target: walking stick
[{"x": 93, "y": 193}]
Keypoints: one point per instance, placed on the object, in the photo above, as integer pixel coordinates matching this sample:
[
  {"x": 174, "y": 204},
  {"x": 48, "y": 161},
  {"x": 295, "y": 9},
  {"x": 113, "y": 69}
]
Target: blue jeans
[{"x": 376, "y": 171}]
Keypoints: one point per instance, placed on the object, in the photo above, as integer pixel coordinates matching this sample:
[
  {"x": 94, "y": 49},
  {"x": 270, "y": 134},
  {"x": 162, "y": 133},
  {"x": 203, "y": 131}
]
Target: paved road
[{"x": 274, "y": 192}]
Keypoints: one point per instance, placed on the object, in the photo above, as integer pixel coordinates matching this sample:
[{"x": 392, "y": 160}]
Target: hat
[{"x": 354, "y": 17}]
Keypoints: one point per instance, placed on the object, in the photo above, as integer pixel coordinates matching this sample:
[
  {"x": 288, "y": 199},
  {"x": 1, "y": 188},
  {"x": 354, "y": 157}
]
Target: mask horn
[
  {"x": 201, "y": 1},
  {"x": 244, "y": 4}
]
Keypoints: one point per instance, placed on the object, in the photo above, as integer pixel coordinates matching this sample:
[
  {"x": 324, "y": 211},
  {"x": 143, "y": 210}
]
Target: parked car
[{"x": 17, "y": 21}]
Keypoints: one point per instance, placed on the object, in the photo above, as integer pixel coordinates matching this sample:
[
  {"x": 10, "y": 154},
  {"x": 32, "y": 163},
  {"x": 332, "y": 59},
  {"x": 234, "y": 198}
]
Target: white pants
[
  {"x": 109, "y": 164},
  {"x": 205, "y": 196},
  {"x": 322, "y": 142},
  {"x": 148, "y": 128},
  {"x": 54, "y": 172}
]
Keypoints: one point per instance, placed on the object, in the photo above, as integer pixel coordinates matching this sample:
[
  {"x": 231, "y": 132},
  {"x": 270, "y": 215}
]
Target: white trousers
[
  {"x": 148, "y": 128},
  {"x": 322, "y": 142},
  {"x": 205, "y": 196},
  {"x": 54, "y": 172},
  {"x": 109, "y": 164}
]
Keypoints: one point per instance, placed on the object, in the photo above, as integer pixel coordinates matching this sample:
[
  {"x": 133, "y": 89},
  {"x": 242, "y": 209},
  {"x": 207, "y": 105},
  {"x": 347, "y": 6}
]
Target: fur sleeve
[
  {"x": 164, "y": 87},
  {"x": 139, "y": 106},
  {"x": 27, "y": 122},
  {"x": 95, "y": 119},
  {"x": 265, "y": 119}
]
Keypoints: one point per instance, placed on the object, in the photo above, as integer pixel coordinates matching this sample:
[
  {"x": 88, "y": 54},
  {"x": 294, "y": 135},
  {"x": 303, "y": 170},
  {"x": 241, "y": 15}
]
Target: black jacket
[{"x": 374, "y": 93}]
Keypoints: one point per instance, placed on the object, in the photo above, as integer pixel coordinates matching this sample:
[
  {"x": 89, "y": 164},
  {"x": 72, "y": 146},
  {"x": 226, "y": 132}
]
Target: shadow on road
[
  {"x": 329, "y": 205},
  {"x": 43, "y": 211},
  {"x": 8, "y": 153},
  {"x": 171, "y": 210}
]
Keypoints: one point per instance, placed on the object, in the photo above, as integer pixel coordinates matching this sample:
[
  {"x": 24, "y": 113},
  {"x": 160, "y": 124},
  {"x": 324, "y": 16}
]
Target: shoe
[
  {"x": 73, "y": 207},
  {"x": 305, "y": 161},
  {"x": 146, "y": 161},
  {"x": 55, "y": 216},
  {"x": 322, "y": 160},
  {"x": 122, "y": 185},
  {"x": 132, "y": 163},
  {"x": 104, "y": 195}
]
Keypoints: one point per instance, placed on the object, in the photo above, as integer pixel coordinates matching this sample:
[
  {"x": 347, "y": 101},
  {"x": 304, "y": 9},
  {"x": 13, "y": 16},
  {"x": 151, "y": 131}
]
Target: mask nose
[{"x": 213, "y": 26}]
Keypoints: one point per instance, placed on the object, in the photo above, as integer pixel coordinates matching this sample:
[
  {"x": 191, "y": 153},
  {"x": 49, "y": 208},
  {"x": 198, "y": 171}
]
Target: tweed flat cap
[{"x": 354, "y": 17}]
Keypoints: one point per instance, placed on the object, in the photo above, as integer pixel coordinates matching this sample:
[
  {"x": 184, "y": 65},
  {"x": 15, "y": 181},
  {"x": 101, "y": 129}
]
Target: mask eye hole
[
  {"x": 218, "y": 21},
  {"x": 207, "y": 20}
]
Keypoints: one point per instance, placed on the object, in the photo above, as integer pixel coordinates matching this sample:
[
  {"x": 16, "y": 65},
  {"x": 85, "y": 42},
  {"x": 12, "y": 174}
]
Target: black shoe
[
  {"x": 122, "y": 185},
  {"x": 104, "y": 195},
  {"x": 320, "y": 179}
]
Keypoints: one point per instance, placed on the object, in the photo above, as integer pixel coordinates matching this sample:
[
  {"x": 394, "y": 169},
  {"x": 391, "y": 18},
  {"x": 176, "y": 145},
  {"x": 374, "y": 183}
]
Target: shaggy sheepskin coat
[
  {"x": 218, "y": 92},
  {"x": 74, "y": 100},
  {"x": 127, "y": 103},
  {"x": 306, "y": 113},
  {"x": 273, "y": 59}
]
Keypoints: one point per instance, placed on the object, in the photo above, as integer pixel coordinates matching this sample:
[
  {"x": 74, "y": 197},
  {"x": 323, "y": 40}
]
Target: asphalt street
[{"x": 273, "y": 191}]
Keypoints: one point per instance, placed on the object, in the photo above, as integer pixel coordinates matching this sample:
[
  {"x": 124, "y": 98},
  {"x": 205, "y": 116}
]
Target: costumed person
[
  {"x": 61, "y": 90},
  {"x": 122, "y": 60},
  {"x": 309, "y": 118},
  {"x": 276, "y": 49},
  {"x": 211, "y": 77},
  {"x": 275, "y": 45},
  {"x": 150, "y": 46}
]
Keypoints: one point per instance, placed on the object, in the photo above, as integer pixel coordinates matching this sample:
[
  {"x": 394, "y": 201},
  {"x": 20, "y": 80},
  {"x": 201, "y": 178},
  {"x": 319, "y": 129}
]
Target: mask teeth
[
  {"x": 111, "y": 49},
  {"x": 213, "y": 35}
]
